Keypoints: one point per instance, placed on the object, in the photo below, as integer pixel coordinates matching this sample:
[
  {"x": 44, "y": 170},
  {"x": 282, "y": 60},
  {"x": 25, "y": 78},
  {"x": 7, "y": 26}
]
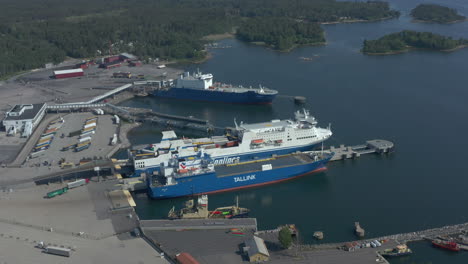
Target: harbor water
[{"x": 416, "y": 99}]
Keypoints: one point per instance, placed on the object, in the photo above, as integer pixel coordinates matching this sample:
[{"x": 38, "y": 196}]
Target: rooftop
[
  {"x": 255, "y": 246},
  {"x": 68, "y": 71},
  {"x": 28, "y": 113},
  {"x": 265, "y": 125}
]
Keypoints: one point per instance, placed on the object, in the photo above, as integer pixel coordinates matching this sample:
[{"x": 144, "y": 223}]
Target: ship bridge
[{"x": 267, "y": 127}]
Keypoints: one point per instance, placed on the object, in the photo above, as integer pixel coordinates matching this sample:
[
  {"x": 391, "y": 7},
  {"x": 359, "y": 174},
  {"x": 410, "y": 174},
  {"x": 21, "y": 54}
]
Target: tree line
[
  {"x": 37, "y": 32},
  {"x": 403, "y": 40}
]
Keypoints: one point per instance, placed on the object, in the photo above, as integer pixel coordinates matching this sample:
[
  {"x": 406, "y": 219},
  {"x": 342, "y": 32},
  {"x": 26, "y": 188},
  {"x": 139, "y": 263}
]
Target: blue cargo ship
[
  {"x": 182, "y": 177},
  {"x": 200, "y": 87}
]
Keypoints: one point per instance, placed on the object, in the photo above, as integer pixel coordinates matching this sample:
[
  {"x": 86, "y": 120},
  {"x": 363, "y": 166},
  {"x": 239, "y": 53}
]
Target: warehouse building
[
  {"x": 68, "y": 73},
  {"x": 24, "y": 118},
  {"x": 256, "y": 250}
]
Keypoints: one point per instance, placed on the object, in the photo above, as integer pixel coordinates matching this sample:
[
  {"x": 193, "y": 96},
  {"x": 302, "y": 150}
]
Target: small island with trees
[
  {"x": 436, "y": 14},
  {"x": 280, "y": 33},
  {"x": 406, "y": 40}
]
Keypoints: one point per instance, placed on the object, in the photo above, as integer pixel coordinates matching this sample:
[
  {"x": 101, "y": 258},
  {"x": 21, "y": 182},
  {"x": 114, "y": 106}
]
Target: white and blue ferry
[
  {"x": 244, "y": 143},
  {"x": 200, "y": 87},
  {"x": 182, "y": 177}
]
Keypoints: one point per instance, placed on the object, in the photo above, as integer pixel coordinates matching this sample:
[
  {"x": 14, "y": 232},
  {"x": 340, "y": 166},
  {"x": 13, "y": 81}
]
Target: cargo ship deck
[{"x": 256, "y": 165}]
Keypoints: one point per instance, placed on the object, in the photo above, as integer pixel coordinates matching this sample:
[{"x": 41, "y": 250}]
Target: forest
[
  {"x": 37, "y": 32},
  {"x": 404, "y": 40},
  {"x": 435, "y": 13},
  {"x": 280, "y": 33}
]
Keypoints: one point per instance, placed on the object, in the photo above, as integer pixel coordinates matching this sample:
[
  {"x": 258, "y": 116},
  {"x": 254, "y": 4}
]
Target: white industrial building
[{"x": 24, "y": 118}]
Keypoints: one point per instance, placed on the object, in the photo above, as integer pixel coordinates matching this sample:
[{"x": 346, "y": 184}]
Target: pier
[
  {"x": 427, "y": 234},
  {"x": 199, "y": 224},
  {"x": 375, "y": 146}
]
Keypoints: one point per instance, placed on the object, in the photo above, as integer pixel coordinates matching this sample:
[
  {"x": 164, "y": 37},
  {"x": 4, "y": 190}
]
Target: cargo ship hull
[
  {"x": 229, "y": 178},
  {"x": 247, "y": 97}
]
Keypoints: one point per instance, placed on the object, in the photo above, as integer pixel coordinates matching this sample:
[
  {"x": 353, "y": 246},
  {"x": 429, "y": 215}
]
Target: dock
[
  {"x": 199, "y": 224},
  {"x": 375, "y": 146}
]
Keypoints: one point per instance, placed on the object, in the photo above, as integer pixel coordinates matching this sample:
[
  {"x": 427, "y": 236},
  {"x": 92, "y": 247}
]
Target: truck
[
  {"x": 57, "y": 192},
  {"x": 65, "y": 252},
  {"x": 77, "y": 183},
  {"x": 116, "y": 119}
]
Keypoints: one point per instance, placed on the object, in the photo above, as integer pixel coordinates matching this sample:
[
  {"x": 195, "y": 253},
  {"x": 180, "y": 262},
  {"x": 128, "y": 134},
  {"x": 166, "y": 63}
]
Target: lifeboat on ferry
[
  {"x": 182, "y": 171},
  {"x": 278, "y": 141},
  {"x": 230, "y": 143},
  {"x": 257, "y": 141}
]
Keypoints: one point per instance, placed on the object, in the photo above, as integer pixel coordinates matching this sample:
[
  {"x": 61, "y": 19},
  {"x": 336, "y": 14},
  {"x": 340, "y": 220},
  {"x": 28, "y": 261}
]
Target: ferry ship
[
  {"x": 200, "y": 87},
  {"x": 181, "y": 177},
  {"x": 245, "y": 142}
]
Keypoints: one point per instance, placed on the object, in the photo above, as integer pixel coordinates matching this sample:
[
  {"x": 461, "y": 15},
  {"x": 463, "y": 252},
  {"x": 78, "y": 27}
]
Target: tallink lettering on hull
[{"x": 212, "y": 183}]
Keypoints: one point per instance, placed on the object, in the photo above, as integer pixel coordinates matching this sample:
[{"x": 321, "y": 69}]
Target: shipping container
[
  {"x": 58, "y": 251},
  {"x": 81, "y": 140},
  {"x": 88, "y": 133},
  {"x": 93, "y": 128},
  {"x": 45, "y": 139},
  {"x": 89, "y": 125},
  {"x": 68, "y": 73},
  {"x": 68, "y": 147},
  {"x": 42, "y": 144},
  {"x": 83, "y": 144},
  {"x": 78, "y": 149}
]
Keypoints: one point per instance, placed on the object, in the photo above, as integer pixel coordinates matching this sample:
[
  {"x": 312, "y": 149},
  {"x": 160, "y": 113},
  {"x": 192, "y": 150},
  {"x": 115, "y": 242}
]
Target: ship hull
[
  {"x": 232, "y": 158},
  {"x": 249, "y": 97},
  {"x": 212, "y": 183}
]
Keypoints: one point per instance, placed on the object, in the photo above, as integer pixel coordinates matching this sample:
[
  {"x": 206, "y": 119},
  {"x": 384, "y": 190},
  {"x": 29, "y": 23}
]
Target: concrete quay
[
  {"x": 80, "y": 219},
  {"x": 202, "y": 224}
]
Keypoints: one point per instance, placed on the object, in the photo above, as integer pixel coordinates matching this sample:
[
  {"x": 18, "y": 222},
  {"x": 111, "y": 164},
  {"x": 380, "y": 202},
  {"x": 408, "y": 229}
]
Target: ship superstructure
[
  {"x": 200, "y": 87},
  {"x": 245, "y": 142}
]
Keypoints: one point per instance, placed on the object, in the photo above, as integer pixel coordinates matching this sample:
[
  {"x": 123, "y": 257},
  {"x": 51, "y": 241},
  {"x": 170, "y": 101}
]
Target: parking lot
[{"x": 74, "y": 123}]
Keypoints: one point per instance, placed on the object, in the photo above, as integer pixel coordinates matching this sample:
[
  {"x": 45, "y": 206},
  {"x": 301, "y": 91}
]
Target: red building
[
  {"x": 68, "y": 73},
  {"x": 111, "y": 59}
]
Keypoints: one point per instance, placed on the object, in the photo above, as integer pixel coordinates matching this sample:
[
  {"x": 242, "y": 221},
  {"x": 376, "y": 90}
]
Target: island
[
  {"x": 35, "y": 33},
  {"x": 406, "y": 40},
  {"x": 280, "y": 33},
  {"x": 436, "y": 14}
]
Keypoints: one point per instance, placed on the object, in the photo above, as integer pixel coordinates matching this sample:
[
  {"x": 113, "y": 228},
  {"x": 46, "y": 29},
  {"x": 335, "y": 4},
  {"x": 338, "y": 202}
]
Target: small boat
[
  {"x": 449, "y": 245},
  {"x": 399, "y": 250}
]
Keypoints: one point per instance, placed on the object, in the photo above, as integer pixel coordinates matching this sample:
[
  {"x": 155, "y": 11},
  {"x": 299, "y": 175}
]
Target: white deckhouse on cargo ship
[{"x": 246, "y": 142}]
